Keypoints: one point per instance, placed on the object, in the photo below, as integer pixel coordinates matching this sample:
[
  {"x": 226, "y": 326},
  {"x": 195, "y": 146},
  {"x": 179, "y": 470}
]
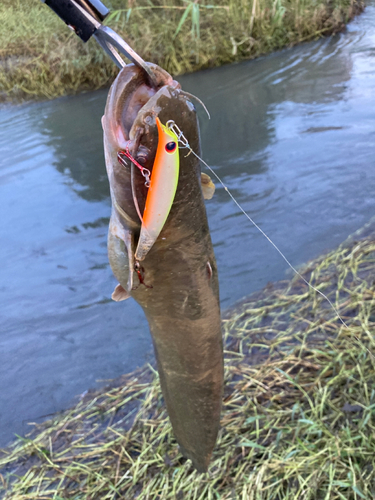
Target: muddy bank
[{"x": 298, "y": 406}]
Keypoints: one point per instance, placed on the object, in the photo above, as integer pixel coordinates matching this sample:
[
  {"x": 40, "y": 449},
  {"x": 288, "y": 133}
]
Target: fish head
[
  {"x": 130, "y": 92},
  {"x": 135, "y": 117}
]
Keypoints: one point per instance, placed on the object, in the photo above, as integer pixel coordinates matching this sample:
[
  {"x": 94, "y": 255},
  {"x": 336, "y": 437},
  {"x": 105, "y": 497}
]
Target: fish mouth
[
  {"x": 129, "y": 93},
  {"x": 127, "y": 128}
]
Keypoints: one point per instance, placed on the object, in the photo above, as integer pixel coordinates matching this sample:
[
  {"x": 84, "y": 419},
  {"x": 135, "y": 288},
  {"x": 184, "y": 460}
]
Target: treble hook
[
  {"x": 144, "y": 171},
  {"x": 140, "y": 272}
]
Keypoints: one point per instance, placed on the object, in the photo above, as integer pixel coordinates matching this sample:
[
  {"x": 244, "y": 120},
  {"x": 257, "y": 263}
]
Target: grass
[
  {"x": 299, "y": 408},
  {"x": 41, "y": 57}
]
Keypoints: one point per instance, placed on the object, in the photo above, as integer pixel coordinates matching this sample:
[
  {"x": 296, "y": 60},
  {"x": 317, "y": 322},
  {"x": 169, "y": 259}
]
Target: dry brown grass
[{"x": 298, "y": 419}]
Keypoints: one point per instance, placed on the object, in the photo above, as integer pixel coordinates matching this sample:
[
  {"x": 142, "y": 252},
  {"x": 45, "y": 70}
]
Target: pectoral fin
[
  {"x": 208, "y": 187},
  {"x": 119, "y": 294}
]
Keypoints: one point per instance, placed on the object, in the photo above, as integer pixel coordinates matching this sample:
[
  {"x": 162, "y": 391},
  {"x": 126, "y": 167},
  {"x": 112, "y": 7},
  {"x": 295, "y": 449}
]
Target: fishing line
[
  {"x": 197, "y": 99},
  {"x": 134, "y": 194},
  {"x": 182, "y": 139}
]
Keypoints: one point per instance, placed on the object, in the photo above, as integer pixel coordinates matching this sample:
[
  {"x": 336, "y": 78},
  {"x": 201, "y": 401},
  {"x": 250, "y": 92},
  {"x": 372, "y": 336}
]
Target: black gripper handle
[{"x": 76, "y": 19}]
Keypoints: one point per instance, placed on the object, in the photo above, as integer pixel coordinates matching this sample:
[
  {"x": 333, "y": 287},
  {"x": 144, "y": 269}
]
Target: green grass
[
  {"x": 41, "y": 57},
  {"x": 298, "y": 420}
]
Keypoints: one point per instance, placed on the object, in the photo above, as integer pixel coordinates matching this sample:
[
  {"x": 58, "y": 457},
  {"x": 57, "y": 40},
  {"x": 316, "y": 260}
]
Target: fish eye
[{"x": 170, "y": 147}]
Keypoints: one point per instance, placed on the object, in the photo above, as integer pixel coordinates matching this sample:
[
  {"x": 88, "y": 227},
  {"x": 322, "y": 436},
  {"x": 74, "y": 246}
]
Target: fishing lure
[{"x": 162, "y": 190}]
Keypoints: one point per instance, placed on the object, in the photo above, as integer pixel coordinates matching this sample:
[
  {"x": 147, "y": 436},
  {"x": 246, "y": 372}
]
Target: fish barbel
[{"x": 176, "y": 282}]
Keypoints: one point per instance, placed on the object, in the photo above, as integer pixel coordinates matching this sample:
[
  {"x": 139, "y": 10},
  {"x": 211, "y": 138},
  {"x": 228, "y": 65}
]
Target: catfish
[{"x": 176, "y": 282}]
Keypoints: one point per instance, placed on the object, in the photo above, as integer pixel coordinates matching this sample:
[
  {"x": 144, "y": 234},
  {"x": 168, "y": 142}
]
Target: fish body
[{"x": 176, "y": 283}]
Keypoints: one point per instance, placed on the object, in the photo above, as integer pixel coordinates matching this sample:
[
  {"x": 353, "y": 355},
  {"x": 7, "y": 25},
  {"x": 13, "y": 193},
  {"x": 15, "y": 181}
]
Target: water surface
[{"x": 291, "y": 134}]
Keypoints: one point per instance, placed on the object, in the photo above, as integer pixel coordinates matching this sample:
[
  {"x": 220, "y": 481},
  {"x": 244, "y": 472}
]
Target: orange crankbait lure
[{"x": 162, "y": 190}]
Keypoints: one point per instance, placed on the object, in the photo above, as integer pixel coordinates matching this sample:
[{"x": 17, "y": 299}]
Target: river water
[{"x": 291, "y": 134}]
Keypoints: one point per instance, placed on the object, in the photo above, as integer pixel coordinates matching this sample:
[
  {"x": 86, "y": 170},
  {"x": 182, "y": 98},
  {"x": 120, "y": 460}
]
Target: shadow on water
[{"x": 292, "y": 136}]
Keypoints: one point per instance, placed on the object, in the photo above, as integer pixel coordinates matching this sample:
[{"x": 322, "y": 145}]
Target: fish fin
[
  {"x": 208, "y": 187},
  {"x": 119, "y": 294}
]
